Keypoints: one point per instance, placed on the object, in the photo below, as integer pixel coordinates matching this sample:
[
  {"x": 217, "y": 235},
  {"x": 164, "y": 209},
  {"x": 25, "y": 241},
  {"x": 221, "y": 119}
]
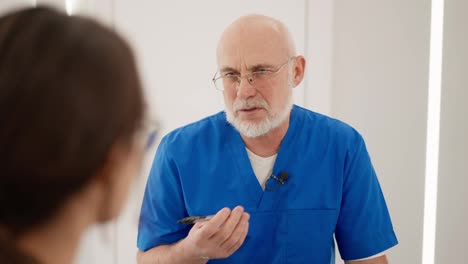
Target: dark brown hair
[{"x": 69, "y": 90}]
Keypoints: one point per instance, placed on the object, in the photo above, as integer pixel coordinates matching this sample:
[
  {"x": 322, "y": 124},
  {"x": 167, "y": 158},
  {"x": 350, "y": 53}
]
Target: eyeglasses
[
  {"x": 258, "y": 78},
  {"x": 149, "y": 133}
]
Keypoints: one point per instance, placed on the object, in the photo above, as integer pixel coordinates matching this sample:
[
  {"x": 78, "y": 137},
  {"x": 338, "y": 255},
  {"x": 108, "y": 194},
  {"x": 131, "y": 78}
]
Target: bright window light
[{"x": 433, "y": 129}]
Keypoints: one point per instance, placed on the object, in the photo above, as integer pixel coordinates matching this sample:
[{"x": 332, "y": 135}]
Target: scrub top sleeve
[
  {"x": 163, "y": 203},
  {"x": 364, "y": 226}
]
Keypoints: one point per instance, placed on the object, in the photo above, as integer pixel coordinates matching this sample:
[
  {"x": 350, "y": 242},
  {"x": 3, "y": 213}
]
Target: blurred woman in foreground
[{"x": 71, "y": 139}]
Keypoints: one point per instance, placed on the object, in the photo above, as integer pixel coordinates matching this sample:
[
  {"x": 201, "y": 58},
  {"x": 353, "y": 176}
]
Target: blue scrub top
[{"x": 332, "y": 189}]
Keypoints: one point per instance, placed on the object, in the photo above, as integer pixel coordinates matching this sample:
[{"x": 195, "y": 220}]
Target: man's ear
[{"x": 298, "y": 70}]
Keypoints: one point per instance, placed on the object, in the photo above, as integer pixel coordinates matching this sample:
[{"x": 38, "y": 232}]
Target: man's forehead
[
  {"x": 242, "y": 63},
  {"x": 245, "y": 54}
]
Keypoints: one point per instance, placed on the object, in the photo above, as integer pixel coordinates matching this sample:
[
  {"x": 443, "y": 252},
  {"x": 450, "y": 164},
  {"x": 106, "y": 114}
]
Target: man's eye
[
  {"x": 262, "y": 72},
  {"x": 230, "y": 74}
]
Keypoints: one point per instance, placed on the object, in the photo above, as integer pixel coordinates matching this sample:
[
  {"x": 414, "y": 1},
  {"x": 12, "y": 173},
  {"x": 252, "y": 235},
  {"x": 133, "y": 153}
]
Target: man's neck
[{"x": 268, "y": 144}]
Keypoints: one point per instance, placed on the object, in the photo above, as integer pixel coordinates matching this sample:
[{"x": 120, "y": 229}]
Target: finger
[
  {"x": 238, "y": 235},
  {"x": 239, "y": 243},
  {"x": 212, "y": 226},
  {"x": 198, "y": 225},
  {"x": 225, "y": 232}
]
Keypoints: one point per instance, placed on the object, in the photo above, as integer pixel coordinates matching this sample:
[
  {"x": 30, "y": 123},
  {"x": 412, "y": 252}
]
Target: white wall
[
  {"x": 9, "y": 5},
  {"x": 452, "y": 207},
  {"x": 379, "y": 85},
  {"x": 319, "y": 23}
]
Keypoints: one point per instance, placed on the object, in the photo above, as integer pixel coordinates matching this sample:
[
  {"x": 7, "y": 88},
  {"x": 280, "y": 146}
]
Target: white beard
[{"x": 256, "y": 129}]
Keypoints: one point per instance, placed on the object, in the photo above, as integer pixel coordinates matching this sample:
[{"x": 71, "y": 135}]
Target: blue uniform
[{"x": 331, "y": 189}]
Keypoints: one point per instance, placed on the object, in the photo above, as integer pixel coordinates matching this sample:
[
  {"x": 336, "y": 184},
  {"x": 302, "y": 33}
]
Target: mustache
[{"x": 244, "y": 104}]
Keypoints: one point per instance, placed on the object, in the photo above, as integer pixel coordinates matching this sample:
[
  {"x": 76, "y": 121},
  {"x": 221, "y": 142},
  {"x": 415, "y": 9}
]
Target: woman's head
[{"x": 71, "y": 105}]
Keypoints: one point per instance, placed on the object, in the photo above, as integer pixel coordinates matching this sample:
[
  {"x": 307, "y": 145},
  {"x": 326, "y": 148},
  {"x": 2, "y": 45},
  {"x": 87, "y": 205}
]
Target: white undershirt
[{"x": 263, "y": 168}]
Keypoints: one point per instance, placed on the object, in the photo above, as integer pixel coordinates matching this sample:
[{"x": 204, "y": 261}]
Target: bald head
[{"x": 257, "y": 36}]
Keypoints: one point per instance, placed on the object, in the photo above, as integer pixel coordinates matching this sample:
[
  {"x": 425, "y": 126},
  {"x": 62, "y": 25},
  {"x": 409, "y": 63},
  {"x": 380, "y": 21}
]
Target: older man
[{"x": 292, "y": 177}]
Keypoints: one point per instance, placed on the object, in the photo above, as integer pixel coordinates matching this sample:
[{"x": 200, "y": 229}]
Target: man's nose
[{"x": 245, "y": 88}]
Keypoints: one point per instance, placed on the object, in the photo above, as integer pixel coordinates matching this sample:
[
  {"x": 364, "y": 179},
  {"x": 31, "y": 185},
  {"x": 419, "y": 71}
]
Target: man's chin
[
  {"x": 252, "y": 129},
  {"x": 250, "y": 121}
]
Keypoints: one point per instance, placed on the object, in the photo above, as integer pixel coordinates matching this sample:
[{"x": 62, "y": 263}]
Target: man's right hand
[{"x": 218, "y": 237}]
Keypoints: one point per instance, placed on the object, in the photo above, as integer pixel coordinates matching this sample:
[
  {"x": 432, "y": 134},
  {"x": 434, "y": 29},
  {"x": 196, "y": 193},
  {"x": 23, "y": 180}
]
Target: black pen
[{"x": 194, "y": 219}]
